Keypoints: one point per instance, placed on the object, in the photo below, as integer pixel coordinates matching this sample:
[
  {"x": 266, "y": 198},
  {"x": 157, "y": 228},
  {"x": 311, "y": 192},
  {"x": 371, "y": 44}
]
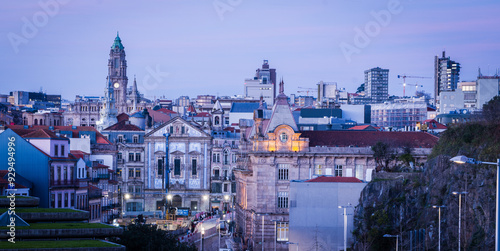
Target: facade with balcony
[
  {"x": 130, "y": 173},
  {"x": 224, "y": 157},
  {"x": 185, "y": 174}
]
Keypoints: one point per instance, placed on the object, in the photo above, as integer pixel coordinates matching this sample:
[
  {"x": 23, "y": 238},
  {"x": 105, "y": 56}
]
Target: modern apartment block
[
  {"x": 263, "y": 84},
  {"x": 446, "y": 75},
  {"x": 377, "y": 84}
]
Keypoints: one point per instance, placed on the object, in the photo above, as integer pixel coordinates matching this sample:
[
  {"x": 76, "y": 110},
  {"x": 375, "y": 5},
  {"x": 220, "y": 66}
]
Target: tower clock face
[{"x": 116, "y": 85}]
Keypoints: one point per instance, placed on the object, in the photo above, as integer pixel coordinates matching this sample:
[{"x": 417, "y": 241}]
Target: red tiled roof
[
  {"x": 121, "y": 117},
  {"x": 43, "y": 134},
  {"x": 369, "y": 138},
  {"x": 363, "y": 127},
  {"x": 19, "y": 129},
  {"x": 202, "y": 114},
  {"x": 99, "y": 165},
  {"x": 123, "y": 126},
  {"x": 335, "y": 179},
  {"x": 433, "y": 124},
  {"x": 78, "y": 154},
  {"x": 159, "y": 117},
  {"x": 165, "y": 110}
]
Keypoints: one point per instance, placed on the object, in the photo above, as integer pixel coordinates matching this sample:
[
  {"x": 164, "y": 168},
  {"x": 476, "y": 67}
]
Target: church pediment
[
  {"x": 177, "y": 127},
  {"x": 177, "y": 153}
]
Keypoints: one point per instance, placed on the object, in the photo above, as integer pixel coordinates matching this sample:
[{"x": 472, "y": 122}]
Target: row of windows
[
  {"x": 56, "y": 151},
  {"x": 35, "y": 122},
  {"x": 62, "y": 200},
  {"x": 122, "y": 139},
  {"x": 60, "y": 173},
  {"x": 131, "y": 157},
  {"x": 225, "y": 158},
  {"x": 219, "y": 187},
  {"x": 134, "y": 172},
  {"x": 134, "y": 189},
  {"x": 86, "y": 108}
]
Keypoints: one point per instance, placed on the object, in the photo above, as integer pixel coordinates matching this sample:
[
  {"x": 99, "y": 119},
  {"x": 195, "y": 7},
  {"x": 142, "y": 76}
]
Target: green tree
[
  {"x": 383, "y": 154},
  {"x": 491, "y": 110},
  {"x": 148, "y": 237},
  {"x": 406, "y": 156},
  {"x": 361, "y": 88}
]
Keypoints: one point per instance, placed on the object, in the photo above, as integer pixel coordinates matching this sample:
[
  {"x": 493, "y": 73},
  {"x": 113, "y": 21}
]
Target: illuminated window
[
  {"x": 318, "y": 170},
  {"x": 282, "y": 231},
  {"x": 359, "y": 171}
]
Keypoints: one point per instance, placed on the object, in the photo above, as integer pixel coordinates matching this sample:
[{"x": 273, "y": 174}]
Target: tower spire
[{"x": 282, "y": 87}]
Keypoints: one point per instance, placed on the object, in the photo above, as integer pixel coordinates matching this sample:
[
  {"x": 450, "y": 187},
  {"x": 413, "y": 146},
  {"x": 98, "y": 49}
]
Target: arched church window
[{"x": 217, "y": 120}]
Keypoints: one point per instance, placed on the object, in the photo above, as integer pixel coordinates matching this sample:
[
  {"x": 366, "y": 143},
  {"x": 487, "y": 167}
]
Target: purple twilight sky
[{"x": 187, "y": 47}]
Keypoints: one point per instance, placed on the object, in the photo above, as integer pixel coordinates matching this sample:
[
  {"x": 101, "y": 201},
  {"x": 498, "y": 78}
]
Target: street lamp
[
  {"x": 202, "y": 235},
  {"x": 463, "y": 159},
  {"x": 396, "y": 236},
  {"x": 169, "y": 198},
  {"x": 262, "y": 215},
  {"x": 439, "y": 231},
  {"x": 459, "y": 213},
  {"x": 296, "y": 243},
  {"x": 345, "y": 224},
  {"x": 275, "y": 233}
]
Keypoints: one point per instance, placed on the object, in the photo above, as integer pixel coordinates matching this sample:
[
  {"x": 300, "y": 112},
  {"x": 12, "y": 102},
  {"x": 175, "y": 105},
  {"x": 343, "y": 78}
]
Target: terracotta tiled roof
[
  {"x": 159, "y": 117},
  {"x": 43, "y": 134},
  {"x": 99, "y": 165},
  {"x": 19, "y": 129},
  {"x": 363, "y": 127},
  {"x": 123, "y": 126},
  {"x": 78, "y": 154},
  {"x": 121, "y": 117},
  {"x": 202, "y": 114},
  {"x": 165, "y": 110},
  {"x": 433, "y": 124},
  {"x": 369, "y": 138},
  {"x": 335, "y": 179}
]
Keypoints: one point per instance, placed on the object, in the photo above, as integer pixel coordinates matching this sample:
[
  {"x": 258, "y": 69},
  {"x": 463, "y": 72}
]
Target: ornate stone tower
[
  {"x": 117, "y": 72},
  {"x": 108, "y": 112}
]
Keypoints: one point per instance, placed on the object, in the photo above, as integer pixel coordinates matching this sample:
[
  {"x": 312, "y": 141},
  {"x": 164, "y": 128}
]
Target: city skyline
[{"x": 176, "y": 48}]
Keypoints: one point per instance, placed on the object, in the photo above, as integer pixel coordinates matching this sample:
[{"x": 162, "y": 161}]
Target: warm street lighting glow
[
  {"x": 226, "y": 197},
  {"x": 169, "y": 196},
  {"x": 127, "y": 196},
  {"x": 459, "y": 159},
  {"x": 205, "y": 197}
]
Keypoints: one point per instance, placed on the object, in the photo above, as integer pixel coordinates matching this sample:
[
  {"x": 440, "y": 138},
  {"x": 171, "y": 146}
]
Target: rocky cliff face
[{"x": 401, "y": 204}]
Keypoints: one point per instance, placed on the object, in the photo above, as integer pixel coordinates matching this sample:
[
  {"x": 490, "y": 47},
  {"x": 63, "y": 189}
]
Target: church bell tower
[{"x": 117, "y": 72}]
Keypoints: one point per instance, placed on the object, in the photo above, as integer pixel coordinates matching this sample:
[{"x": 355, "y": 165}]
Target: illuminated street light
[
  {"x": 464, "y": 159},
  {"x": 439, "y": 231},
  {"x": 395, "y": 236}
]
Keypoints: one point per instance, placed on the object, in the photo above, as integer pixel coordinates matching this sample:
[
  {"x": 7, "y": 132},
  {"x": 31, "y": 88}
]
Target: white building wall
[
  {"x": 486, "y": 90},
  {"x": 314, "y": 213}
]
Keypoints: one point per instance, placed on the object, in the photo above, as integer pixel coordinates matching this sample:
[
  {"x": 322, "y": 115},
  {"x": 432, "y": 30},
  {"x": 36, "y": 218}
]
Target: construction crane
[
  {"x": 308, "y": 89},
  {"x": 416, "y": 87},
  {"x": 404, "y": 81}
]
